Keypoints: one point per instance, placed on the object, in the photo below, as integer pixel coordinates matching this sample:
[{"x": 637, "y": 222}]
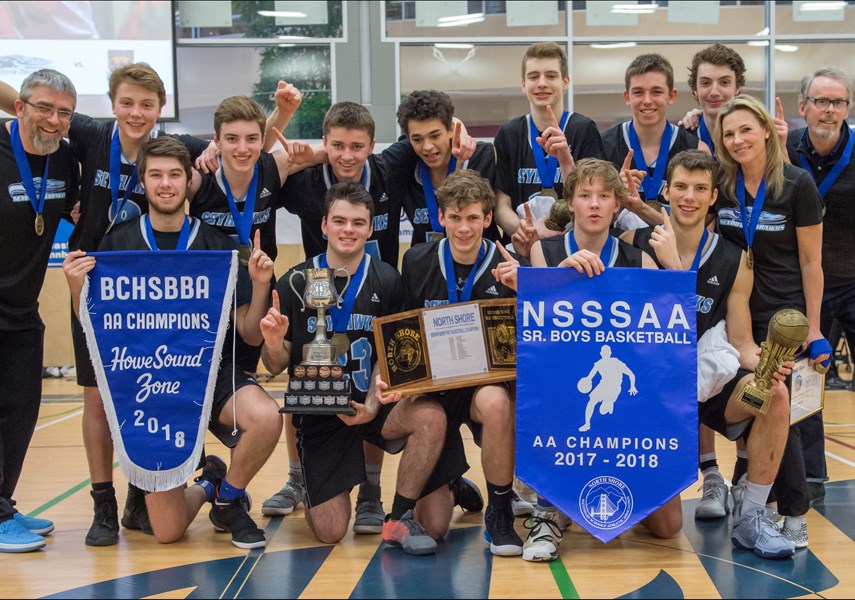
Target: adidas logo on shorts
[
  {"x": 713, "y": 280},
  {"x": 492, "y": 290}
]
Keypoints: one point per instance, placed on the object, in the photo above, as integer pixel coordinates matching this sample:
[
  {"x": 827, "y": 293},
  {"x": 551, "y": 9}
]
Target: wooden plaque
[{"x": 449, "y": 346}]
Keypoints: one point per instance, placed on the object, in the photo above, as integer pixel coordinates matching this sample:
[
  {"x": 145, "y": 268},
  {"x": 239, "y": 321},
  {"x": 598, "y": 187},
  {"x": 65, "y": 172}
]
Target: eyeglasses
[
  {"x": 47, "y": 110},
  {"x": 823, "y": 103}
]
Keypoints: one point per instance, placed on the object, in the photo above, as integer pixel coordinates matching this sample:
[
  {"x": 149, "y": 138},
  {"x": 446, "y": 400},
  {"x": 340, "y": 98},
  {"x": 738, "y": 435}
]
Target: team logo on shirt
[
  {"x": 732, "y": 217},
  {"x": 55, "y": 190}
]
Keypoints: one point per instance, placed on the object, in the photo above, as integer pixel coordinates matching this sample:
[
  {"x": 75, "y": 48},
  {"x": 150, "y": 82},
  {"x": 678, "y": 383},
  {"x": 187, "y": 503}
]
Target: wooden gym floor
[{"x": 698, "y": 563}]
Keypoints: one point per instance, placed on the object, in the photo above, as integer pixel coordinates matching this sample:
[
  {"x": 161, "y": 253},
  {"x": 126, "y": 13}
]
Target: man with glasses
[
  {"x": 825, "y": 150},
  {"x": 38, "y": 186}
]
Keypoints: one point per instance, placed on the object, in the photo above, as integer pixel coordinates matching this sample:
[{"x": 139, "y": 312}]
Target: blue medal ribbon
[
  {"x": 455, "y": 295},
  {"x": 835, "y": 172},
  {"x": 36, "y": 200},
  {"x": 546, "y": 165},
  {"x": 749, "y": 228},
  {"x": 705, "y": 136},
  {"x": 430, "y": 193},
  {"x": 651, "y": 185},
  {"x": 243, "y": 220},
  {"x": 697, "y": 262},
  {"x": 117, "y": 206},
  {"x": 183, "y": 236},
  {"x": 341, "y": 316},
  {"x": 605, "y": 252}
]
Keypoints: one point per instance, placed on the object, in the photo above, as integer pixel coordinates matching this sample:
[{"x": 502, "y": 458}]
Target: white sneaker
[
  {"x": 544, "y": 536},
  {"x": 738, "y": 491},
  {"x": 795, "y": 530},
  {"x": 283, "y": 502},
  {"x": 521, "y": 508},
  {"x": 713, "y": 504}
]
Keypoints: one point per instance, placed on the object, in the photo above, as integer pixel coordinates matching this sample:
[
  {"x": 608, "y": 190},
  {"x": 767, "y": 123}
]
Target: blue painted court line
[
  {"x": 838, "y": 506},
  {"x": 662, "y": 586},
  {"x": 284, "y": 574},
  {"x": 460, "y": 568},
  {"x": 742, "y": 574}
]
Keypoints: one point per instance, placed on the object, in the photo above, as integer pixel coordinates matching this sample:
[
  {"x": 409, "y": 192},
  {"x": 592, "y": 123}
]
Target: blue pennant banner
[
  {"x": 155, "y": 324},
  {"x": 607, "y": 411}
]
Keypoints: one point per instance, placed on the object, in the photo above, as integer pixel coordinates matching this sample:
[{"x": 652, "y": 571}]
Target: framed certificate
[
  {"x": 807, "y": 391},
  {"x": 449, "y": 346}
]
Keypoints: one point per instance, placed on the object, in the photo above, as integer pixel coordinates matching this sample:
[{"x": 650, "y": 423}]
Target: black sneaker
[
  {"x": 833, "y": 382},
  {"x": 105, "y": 525},
  {"x": 231, "y": 515},
  {"x": 214, "y": 470},
  {"x": 467, "y": 495},
  {"x": 499, "y": 531},
  {"x": 135, "y": 515}
]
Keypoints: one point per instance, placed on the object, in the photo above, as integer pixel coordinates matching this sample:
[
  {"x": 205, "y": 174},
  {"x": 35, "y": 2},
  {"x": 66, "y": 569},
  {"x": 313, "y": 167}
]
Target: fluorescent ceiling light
[
  {"x": 282, "y": 13},
  {"x": 615, "y": 45},
  {"x": 286, "y": 45},
  {"x": 634, "y": 9},
  {"x": 291, "y": 37},
  {"x": 762, "y": 43},
  {"x": 821, "y": 6},
  {"x": 454, "y": 46},
  {"x": 460, "y": 20},
  {"x": 786, "y": 48}
]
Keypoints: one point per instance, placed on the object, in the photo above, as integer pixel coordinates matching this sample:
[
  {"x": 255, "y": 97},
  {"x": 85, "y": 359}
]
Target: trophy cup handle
[
  {"x": 297, "y": 294},
  {"x": 341, "y": 295}
]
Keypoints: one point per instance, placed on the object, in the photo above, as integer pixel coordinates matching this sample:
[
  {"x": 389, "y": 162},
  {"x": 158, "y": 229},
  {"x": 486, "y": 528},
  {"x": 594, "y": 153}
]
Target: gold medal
[
  {"x": 340, "y": 343},
  {"x": 750, "y": 258},
  {"x": 40, "y": 224},
  {"x": 244, "y": 253}
]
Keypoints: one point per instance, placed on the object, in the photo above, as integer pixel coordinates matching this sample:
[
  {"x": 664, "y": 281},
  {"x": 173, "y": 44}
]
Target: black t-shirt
[
  {"x": 379, "y": 295},
  {"x": 23, "y": 254},
  {"x": 616, "y": 145},
  {"x": 516, "y": 170},
  {"x": 131, "y": 236},
  {"x": 716, "y": 275},
  {"x": 303, "y": 195},
  {"x": 777, "y": 272},
  {"x": 838, "y": 229},
  {"x": 556, "y": 249},
  {"x": 407, "y": 184},
  {"x": 423, "y": 273},
  {"x": 211, "y": 205},
  {"x": 90, "y": 143}
]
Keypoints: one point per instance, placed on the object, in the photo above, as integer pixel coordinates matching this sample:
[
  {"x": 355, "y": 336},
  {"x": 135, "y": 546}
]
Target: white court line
[
  {"x": 65, "y": 418},
  {"x": 840, "y": 424},
  {"x": 840, "y": 458}
]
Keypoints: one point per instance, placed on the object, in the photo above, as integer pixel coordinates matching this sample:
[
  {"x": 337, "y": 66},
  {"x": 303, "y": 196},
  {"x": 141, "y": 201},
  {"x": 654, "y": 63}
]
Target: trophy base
[
  {"x": 756, "y": 398},
  {"x": 315, "y": 395}
]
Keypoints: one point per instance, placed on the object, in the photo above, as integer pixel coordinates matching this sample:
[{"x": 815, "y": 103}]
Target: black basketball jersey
[
  {"x": 379, "y": 294},
  {"x": 716, "y": 275},
  {"x": 556, "y": 249},
  {"x": 616, "y": 146},
  {"x": 407, "y": 185},
  {"x": 424, "y": 275},
  {"x": 90, "y": 143},
  {"x": 211, "y": 205},
  {"x": 303, "y": 195},
  {"x": 516, "y": 170},
  {"x": 23, "y": 254}
]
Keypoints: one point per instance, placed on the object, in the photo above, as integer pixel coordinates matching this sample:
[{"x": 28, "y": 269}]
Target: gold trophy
[
  {"x": 788, "y": 329},
  {"x": 319, "y": 384}
]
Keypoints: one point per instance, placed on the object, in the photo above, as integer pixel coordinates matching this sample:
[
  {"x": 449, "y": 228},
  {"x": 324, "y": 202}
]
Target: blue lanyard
[
  {"x": 455, "y": 295},
  {"x": 697, "y": 262},
  {"x": 750, "y": 227},
  {"x": 183, "y": 237},
  {"x": 605, "y": 253},
  {"x": 651, "y": 185},
  {"x": 115, "y": 177},
  {"x": 705, "y": 136},
  {"x": 341, "y": 316},
  {"x": 546, "y": 165},
  {"x": 430, "y": 193},
  {"x": 835, "y": 172},
  {"x": 243, "y": 220},
  {"x": 36, "y": 200}
]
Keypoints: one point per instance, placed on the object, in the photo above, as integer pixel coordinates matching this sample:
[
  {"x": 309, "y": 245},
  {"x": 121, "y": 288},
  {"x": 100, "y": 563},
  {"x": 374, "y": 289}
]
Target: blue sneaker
[
  {"x": 753, "y": 530},
  {"x": 37, "y": 526},
  {"x": 15, "y": 538}
]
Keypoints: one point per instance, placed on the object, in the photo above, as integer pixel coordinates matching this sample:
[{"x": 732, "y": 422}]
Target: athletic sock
[
  {"x": 229, "y": 492},
  {"x": 373, "y": 473},
  {"x": 103, "y": 489},
  {"x": 295, "y": 472},
  {"x": 499, "y": 496},
  {"x": 755, "y": 496},
  {"x": 208, "y": 488},
  {"x": 400, "y": 505},
  {"x": 708, "y": 461}
]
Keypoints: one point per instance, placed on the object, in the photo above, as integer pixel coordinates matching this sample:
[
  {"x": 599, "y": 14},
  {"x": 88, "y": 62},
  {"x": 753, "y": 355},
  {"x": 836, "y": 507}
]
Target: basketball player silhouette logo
[{"x": 611, "y": 371}]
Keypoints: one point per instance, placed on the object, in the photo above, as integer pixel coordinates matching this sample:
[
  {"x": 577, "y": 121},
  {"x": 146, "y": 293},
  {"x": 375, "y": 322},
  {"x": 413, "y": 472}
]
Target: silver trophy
[{"x": 319, "y": 384}]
